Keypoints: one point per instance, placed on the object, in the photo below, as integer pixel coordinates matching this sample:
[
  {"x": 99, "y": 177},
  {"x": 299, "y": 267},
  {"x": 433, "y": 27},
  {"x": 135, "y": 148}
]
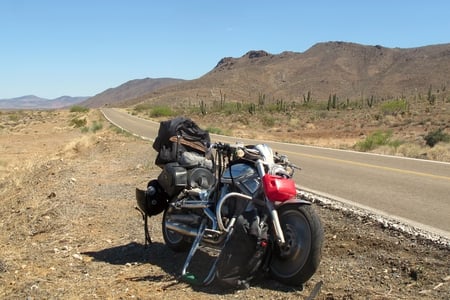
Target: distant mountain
[
  {"x": 347, "y": 70},
  {"x": 34, "y": 102},
  {"x": 128, "y": 91}
]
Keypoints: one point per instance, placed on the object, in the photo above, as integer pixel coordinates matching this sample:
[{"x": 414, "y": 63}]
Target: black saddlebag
[
  {"x": 243, "y": 254},
  {"x": 177, "y": 136},
  {"x": 173, "y": 178}
]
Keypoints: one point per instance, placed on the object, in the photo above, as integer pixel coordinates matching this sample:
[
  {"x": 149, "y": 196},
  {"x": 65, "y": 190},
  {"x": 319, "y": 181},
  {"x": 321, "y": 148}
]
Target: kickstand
[
  {"x": 212, "y": 272},
  {"x": 195, "y": 244}
]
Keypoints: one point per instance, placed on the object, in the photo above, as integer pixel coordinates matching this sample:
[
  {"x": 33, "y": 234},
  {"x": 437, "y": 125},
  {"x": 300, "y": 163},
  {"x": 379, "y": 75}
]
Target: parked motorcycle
[{"x": 240, "y": 200}]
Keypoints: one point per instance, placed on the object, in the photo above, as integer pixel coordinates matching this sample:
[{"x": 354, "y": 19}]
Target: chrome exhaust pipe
[{"x": 181, "y": 228}]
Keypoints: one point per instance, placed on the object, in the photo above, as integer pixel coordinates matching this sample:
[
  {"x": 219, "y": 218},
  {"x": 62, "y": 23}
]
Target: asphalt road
[{"x": 414, "y": 191}]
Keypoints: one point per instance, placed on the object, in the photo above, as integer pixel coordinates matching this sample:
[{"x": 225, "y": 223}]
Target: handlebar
[
  {"x": 251, "y": 153},
  {"x": 284, "y": 161},
  {"x": 239, "y": 150}
]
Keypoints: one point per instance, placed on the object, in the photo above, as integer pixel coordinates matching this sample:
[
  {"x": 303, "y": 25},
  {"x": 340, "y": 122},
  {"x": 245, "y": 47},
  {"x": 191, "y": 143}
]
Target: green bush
[
  {"x": 394, "y": 107},
  {"x": 96, "y": 126},
  {"x": 378, "y": 138},
  {"x": 79, "y": 108},
  {"x": 77, "y": 122},
  {"x": 14, "y": 117},
  {"x": 142, "y": 107},
  {"x": 161, "y": 111},
  {"x": 435, "y": 137},
  {"x": 268, "y": 121}
]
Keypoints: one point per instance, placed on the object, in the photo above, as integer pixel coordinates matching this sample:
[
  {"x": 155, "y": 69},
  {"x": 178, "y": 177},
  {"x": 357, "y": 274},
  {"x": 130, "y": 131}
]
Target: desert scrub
[
  {"x": 79, "y": 108},
  {"x": 96, "y": 126},
  {"x": 268, "y": 121},
  {"x": 142, "y": 107},
  {"x": 394, "y": 107},
  {"x": 376, "y": 139},
  {"x": 215, "y": 130},
  {"x": 78, "y": 122},
  {"x": 436, "y": 136},
  {"x": 411, "y": 150},
  {"x": 161, "y": 111},
  {"x": 440, "y": 152},
  {"x": 14, "y": 117}
]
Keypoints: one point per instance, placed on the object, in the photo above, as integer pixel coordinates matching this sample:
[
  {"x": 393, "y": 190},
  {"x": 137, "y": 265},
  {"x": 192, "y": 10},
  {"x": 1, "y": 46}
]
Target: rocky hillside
[
  {"x": 351, "y": 71},
  {"x": 129, "y": 90}
]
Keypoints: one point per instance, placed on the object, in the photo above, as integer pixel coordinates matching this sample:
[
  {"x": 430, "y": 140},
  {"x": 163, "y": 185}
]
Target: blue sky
[{"x": 80, "y": 48}]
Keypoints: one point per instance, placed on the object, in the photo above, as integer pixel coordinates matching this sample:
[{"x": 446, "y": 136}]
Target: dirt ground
[{"x": 69, "y": 228}]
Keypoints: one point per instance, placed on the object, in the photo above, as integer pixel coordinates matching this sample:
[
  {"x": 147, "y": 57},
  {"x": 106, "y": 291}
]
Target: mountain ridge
[
  {"x": 35, "y": 102},
  {"x": 129, "y": 90},
  {"x": 348, "y": 70},
  {"x": 344, "y": 69}
]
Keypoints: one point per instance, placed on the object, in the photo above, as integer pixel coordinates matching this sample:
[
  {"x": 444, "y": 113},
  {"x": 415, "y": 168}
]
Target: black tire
[
  {"x": 295, "y": 263},
  {"x": 174, "y": 240}
]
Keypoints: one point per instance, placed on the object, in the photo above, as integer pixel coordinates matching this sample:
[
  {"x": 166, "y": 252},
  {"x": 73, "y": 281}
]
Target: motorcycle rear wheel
[
  {"x": 295, "y": 262},
  {"x": 174, "y": 240}
]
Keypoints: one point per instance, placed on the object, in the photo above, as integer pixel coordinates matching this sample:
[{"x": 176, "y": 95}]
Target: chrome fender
[{"x": 293, "y": 201}]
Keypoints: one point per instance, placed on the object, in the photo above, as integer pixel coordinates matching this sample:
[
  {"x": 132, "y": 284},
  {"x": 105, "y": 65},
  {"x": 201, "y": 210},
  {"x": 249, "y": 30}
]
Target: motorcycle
[{"x": 242, "y": 202}]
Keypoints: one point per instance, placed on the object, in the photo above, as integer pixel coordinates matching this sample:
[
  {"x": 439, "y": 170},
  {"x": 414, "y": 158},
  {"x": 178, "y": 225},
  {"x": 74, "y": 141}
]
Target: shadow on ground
[{"x": 171, "y": 262}]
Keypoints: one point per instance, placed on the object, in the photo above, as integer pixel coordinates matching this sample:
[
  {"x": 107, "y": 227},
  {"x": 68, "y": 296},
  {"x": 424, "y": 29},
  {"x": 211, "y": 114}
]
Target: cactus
[
  {"x": 252, "y": 108},
  {"x": 261, "y": 100},
  {"x": 307, "y": 99},
  {"x": 281, "y": 105},
  {"x": 431, "y": 97},
  {"x": 222, "y": 99},
  {"x": 202, "y": 107},
  {"x": 370, "y": 102}
]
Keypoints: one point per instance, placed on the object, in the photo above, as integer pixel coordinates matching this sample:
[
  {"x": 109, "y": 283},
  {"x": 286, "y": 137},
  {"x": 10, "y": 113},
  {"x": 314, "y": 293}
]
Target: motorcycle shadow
[
  {"x": 135, "y": 253},
  {"x": 171, "y": 263}
]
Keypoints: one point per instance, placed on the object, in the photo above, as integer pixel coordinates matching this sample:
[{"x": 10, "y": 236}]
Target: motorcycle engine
[{"x": 201, "y": 178}]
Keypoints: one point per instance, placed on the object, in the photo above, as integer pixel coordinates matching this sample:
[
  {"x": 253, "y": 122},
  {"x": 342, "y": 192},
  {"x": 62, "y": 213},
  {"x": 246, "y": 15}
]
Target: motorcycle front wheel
[
  {"x": 296, "y": 261},
  {"x": 174, "y": 240}
]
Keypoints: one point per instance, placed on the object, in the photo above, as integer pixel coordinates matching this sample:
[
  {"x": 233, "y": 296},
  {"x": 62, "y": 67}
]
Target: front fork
[{"x": 279, "y": 236}]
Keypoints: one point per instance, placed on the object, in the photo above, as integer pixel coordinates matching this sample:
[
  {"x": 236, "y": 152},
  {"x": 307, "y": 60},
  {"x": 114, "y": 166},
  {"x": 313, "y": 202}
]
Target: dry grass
[
  {"x": 339, "y": 128},
  {"x": 69, "y": 230}
]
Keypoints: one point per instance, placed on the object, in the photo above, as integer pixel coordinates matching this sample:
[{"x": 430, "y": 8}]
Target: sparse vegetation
[
  {"x": 143, "y": 107},
  {"x": 78, "y": 122},
  {"x": 268, "y": 120},
  {"x": 161, "y": 111},
  {"x": 376, "y": 139},
  {"x": 215, "y": 130},
  {"x": 154, "y": 111},
  {"x": 79, "y": 109},
  {"x": 58, "y": 241},
  {"x": 436, "y": 136},
  {"x": 394, "y": 107},
  {"x": 14, "y": 117},
  {"x": 96, "y": 126},
  {"x": 410, "y": 117}
]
